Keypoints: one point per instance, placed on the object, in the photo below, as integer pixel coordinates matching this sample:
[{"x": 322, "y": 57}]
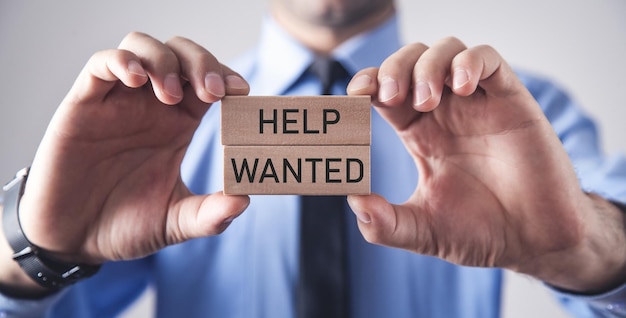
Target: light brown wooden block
[
  {"x": 311, "y": 170},
  {"x": 296, "y": 120}
]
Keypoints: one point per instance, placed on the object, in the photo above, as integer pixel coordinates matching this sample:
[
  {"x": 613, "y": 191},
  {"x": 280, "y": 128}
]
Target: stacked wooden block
[{"x": 313, "y": 145}]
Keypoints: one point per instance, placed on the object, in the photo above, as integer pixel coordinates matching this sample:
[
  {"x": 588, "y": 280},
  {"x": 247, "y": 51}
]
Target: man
[{"x": 496, "y": 186}]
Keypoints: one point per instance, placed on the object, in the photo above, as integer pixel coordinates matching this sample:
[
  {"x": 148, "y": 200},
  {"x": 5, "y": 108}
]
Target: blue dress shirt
[{"x": 251, "y": 269}]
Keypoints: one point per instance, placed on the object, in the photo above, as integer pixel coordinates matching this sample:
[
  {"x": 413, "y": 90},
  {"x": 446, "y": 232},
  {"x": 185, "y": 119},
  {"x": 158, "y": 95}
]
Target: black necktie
[
  {"x": 323, "y": 280},
  {"x": 329, "y": 72}
]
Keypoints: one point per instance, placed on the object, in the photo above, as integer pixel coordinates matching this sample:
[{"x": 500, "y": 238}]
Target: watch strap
[{"x": 43, "y": 269}]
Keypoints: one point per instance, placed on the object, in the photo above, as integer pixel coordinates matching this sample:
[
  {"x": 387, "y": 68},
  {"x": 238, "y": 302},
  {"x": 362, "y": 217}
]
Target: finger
[
  {"x": 431, "y": 72},
  {"x": 365, "y": 83},
  {"x": 390, "y": 85},
  {"x": 482, "y": 65},
  {"x": 235, "y": 83},
  {"x": 204, "y": 215},
  {"x": 103, "y": 70},
  {"x": 209, "y": 78},
  {"x": 395, "y": 75},
  {"x": 161, "y": 64}
]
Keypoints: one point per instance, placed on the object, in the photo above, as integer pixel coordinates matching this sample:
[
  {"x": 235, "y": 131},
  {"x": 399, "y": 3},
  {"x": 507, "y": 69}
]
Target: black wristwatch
[{"x": 45, "y": 270}]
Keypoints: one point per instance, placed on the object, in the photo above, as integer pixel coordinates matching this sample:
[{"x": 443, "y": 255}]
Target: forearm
[
  {"x": 13, "y": 280},
  {"x": 598, "y": 263}
]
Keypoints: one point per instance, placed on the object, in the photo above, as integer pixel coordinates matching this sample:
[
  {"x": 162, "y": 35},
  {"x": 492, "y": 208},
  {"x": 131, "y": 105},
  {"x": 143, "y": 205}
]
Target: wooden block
[
  {"x": 310, "y": 170},
  {"x": 295, "y": 120}
]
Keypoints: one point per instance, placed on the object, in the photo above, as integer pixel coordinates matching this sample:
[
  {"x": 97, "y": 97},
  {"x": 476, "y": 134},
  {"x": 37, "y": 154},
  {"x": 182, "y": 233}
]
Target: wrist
[
  {"x": 35, "y": 262},
  {"x": 598, "y": 262},
  {"x": 13, "y": 280}
]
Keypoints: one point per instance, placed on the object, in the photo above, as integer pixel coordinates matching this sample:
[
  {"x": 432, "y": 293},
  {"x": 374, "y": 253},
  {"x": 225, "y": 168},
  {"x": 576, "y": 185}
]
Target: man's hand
[
  {"x": 105, "y": 183},
  {"x": 496, "y": 187}
]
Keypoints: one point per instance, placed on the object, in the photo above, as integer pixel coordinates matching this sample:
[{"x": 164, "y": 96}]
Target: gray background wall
[{"x": 44, "y": 44}]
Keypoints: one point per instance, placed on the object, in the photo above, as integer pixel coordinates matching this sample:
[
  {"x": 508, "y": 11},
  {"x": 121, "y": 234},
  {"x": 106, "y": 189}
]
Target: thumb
[
  {"x": 198, "y": 216},
  {"x": 383, "y": 223}
]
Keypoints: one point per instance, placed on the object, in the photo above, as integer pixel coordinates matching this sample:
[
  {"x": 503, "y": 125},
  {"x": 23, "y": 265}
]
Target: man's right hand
[{"x": 105, "y": 183}]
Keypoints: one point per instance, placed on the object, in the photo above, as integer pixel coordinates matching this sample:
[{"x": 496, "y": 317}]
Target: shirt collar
[
  {"x": 369, "y": 49},
  {"x": 283, "y": 59}
]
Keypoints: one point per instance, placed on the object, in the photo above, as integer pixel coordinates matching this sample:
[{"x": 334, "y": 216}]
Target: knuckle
[
  {"x": 402, "y": 61},
  {"x": 412, "y": 49},
  {"x": 207, "y": 59},
  {"x": 178, "y": 39},
  {"x": 479, "y": 53},
  {"x": 120, "y": 54},
  {"x": 191, "y": 53},
  {"x": 168, "y": 55},
  {"x": 134, "y": 36},
  {"x": 416, "y": 46},
  {"x": 483, "y": 49},
  {"x": 162, "y": 61},
  {"x": 390, "y": 66},
  {"x": 451, "y": 40}
]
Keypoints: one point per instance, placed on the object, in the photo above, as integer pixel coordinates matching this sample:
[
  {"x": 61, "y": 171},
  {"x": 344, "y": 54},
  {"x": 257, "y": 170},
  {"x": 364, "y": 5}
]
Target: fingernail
[
  {"x": 422, "y": 93},
  {"x": 235, "y": 82},
  {"x": 214, "y": 84},
  {"x": 135, "y": 68},
  {"x": 388, "y": 89},
  {"x": 362, "y": 217},
  {"x": 171, "y": 85},
  {"x": 460, "y": 78},
  {"x": 361, "y": 82}
]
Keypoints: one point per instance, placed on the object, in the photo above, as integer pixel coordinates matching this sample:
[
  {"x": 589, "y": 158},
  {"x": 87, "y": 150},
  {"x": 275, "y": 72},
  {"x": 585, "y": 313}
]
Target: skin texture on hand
[
  {"x": 496, "y": 187},
  {"x": 105, "y": 183}
]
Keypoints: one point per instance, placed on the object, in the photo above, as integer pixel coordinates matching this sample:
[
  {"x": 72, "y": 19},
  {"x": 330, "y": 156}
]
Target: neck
[{"x": 323, "y": 39}]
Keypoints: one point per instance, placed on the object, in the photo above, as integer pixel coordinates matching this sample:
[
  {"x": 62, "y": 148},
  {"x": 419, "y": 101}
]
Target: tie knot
[{"x": 328, "y": 71}]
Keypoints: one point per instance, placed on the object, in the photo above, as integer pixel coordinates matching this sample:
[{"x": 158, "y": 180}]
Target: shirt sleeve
[
  {"x": 14, "y": 308},
  {"x": 609, "y": 304},
  {"x": 106, "y": 294},
  {"x": 597, "y": 173}
]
